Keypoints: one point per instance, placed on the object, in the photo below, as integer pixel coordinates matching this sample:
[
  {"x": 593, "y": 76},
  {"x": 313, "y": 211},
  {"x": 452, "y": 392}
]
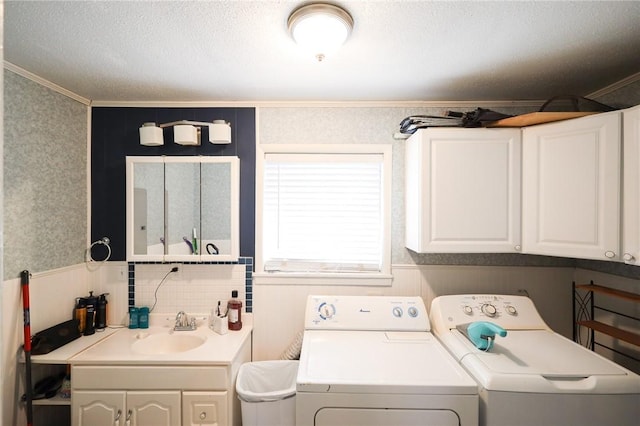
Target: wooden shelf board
[
  {"x": 536, "y": 118},
  {"x": 627, "y": 336},
  {"x": 610, "y": 292},
  {"x": 56, "y": 400}
]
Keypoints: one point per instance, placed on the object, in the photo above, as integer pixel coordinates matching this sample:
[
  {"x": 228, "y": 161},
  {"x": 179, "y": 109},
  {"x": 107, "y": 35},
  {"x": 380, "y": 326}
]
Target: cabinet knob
[
  {"x": 610, "y": 254},
  {"x": 518, "y": 248},
  {"x": 203, "y": 415},
  {"x": 628, "y": 257}
]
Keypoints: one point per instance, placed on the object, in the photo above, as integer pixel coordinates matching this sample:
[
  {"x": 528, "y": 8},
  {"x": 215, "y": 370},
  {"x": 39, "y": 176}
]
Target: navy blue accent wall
[{"x": 114, "y": 135}]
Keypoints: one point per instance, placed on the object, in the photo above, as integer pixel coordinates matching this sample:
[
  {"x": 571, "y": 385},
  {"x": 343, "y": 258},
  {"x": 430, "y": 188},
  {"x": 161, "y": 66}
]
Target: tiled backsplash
[{"x": 195, "y": 288}]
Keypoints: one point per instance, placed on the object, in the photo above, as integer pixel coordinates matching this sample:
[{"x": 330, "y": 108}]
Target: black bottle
[
  {"x": 89, "y": 327},
  {"x": 101, "y": 312}
]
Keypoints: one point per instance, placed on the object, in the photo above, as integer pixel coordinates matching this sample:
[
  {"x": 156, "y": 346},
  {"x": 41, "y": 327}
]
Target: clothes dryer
[{"x": 372, "y": 361}]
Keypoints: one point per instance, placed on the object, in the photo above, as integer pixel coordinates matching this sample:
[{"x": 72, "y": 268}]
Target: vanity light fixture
[
  {"x": 320, "y": 28},
  {"x": 186, "y": 132}
]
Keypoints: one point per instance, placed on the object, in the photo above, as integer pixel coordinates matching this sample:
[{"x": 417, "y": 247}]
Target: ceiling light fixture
[{"x": 320, "y": 27}]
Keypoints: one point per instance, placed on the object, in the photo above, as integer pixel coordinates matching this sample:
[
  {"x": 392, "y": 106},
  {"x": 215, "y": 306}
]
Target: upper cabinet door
[
  {"x": 182, "y": 216},
  {"x": 571, "y": 188},
  {"x": 463, "y": 190},
  {"x": 145, "y": 209},
  {"x": 220, "y": 201},
  {"x": 631, "y": 185},
  {"x": 183, "y": 208}
]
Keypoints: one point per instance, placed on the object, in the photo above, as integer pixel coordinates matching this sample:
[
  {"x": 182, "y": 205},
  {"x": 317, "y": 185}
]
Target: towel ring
[{"x": 105, "y": 242}]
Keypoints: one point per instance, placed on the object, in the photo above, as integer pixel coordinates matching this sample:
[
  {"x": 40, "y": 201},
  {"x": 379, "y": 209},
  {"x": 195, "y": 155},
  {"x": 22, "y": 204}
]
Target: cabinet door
[
  {"x": 631, "y": 198},
  {"x": 571, "y": 188},
  {"x": 220, "y": 201},
  {"x": 463, "y": 190},
  {"x": 145, "y": 208},
  {"x": 204, "y": 408},
  {"x": 154, "y": 408},
  {"x": 98, "y": 408},
  {"x": 182, "y": 198}
]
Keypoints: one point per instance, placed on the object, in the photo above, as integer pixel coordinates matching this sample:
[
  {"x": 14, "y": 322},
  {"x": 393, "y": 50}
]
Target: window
[{"x": 325, "y": 209}]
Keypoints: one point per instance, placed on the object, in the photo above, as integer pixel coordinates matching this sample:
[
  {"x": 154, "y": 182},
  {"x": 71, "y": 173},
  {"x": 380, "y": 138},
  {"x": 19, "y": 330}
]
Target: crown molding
[
  {"x": 615, "y": 86},
  {"x": 46, "y": 83}
]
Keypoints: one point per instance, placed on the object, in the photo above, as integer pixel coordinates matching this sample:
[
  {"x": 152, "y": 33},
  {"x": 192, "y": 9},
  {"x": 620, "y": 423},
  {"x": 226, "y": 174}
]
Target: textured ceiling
[{"x": 208, "y": 51}]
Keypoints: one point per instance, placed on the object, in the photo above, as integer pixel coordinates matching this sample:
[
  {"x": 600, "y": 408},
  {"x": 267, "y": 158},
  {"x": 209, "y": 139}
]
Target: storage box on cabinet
[{"x": 462, "y": 190}]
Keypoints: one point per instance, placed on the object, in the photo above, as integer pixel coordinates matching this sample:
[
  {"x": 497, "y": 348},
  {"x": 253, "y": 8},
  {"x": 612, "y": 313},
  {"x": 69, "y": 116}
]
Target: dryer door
[{"x": 384, "y": 417}]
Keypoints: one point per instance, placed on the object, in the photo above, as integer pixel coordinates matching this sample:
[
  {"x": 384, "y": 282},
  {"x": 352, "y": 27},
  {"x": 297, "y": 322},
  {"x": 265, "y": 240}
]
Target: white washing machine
[
  {"x": 372, "y": 361},
  {"x": 534, "y": 376}
]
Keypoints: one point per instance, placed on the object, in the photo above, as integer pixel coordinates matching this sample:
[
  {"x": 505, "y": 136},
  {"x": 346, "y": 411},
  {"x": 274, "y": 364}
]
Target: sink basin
[{"x": 164, "y": 343}]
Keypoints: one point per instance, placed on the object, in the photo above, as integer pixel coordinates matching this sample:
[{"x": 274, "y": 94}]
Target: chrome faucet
[{"x": 183, "y": 323}]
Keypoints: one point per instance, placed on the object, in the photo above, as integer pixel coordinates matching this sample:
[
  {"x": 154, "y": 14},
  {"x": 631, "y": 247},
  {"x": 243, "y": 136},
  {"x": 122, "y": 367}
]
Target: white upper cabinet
[
  {"x": 462, "y": 190},
  {"x": 571, "y": 188},
  {"x": 631, "y": 185},
  {"x": 183, "y": 208}
]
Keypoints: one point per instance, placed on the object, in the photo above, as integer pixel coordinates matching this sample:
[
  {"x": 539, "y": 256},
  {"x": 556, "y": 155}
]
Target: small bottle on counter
[
  {"x": 101, "y": 312},
  {"x": 234, "y": 311},
  {"x": 89, "y": 327},
  {"x": 133, "y": 317},
  {"x": 143, "y": 317},
  {"x": 80, "y": 313}
]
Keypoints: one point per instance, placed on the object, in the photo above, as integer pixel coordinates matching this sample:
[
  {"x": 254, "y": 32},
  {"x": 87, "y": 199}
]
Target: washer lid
[
  {"x": 379, "y": 362},
  {"x": 544, "y": 361}
]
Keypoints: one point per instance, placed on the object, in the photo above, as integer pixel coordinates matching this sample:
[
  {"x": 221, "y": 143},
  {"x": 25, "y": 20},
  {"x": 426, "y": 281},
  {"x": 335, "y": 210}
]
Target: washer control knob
[
  {"x": 511, "y": 310},
  {"x": 397, "y": 312},
  {"x": 412, "y": 311},
  {"x": 467, "y": 310},
  {"x": 326, "y": 310},
  {"x": 489, "y": 310}
]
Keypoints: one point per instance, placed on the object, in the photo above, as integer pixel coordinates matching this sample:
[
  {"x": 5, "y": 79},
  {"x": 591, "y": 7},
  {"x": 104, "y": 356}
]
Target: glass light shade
[
  {"x": 220, "y": 132},
  {"x": 186, "y": 135},
  {"x": 151, "y": 135},
  {"x": 320, "y": 28}
]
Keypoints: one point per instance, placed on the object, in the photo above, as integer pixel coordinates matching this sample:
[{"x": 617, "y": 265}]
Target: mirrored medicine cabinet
[{"x": 183, "y": 208}]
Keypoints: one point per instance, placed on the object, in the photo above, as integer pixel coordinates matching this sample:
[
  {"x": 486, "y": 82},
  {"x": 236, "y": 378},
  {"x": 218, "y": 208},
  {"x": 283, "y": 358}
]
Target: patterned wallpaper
[{"x": 45, "y": 178}]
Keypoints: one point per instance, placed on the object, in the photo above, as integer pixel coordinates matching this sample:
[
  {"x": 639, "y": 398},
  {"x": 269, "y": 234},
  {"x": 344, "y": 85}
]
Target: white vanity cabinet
[
  {"x": 631, "y": 185},
  {"x": 183, "y": 208},
  {"x": 148, "y": 395},
  {"x": 571, "y": 188},
  {"x": 152, "y": 408},
  {"x": 462, "y": 189},
  {"x": 135, "y": 408}
]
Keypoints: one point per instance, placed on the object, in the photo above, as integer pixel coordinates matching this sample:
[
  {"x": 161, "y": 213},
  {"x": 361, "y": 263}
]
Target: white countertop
[{"x": 114, "y": 346}]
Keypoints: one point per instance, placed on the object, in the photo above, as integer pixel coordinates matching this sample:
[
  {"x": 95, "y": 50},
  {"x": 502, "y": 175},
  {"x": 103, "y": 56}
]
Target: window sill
[{"x": 344, "y": 279}]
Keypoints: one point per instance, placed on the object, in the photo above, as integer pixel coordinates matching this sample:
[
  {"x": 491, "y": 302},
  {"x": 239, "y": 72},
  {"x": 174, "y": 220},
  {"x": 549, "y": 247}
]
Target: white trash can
[{"x": 267, "y": 391}]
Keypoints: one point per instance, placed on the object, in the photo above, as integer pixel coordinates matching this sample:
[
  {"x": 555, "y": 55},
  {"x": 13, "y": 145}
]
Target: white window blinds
[{"x": 323, "y": 212}]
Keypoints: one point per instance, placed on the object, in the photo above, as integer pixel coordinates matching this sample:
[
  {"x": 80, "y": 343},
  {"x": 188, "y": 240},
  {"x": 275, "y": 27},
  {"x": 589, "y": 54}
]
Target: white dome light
[{"x": 320, "y": 28}]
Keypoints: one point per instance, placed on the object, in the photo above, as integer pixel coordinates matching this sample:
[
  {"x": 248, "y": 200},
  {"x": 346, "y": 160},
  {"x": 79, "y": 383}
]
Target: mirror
[{"x": 182, "y": 208}]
